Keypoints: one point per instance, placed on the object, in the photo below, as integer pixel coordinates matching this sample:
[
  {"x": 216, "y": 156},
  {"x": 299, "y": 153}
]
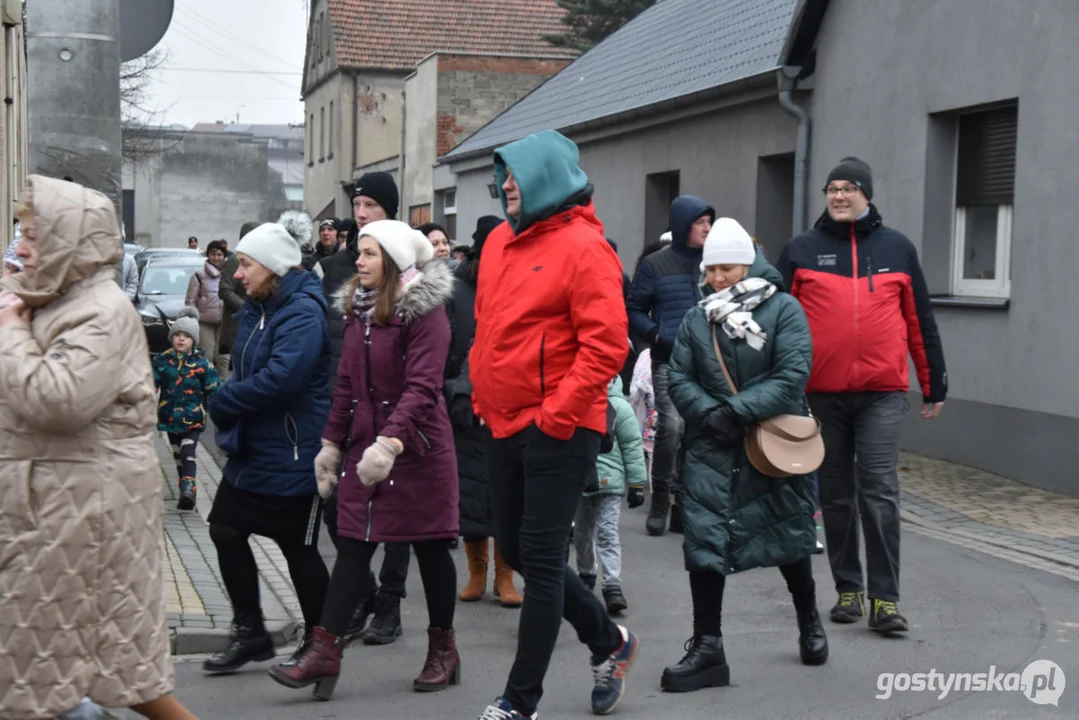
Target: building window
[
  {"x": 419, "y": 215},
  {"x": 322, "y": 133},
  {"x": 660, "y": 190},
  {"x": 311, "y": 140},
  {"x": 449, "y": 212},
  {"x": 329, "y": 135},
  {"x": 984, "y": 196}
]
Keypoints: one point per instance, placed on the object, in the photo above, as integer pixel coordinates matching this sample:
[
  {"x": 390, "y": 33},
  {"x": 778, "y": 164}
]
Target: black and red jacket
[{"x": 863, "y": 291}]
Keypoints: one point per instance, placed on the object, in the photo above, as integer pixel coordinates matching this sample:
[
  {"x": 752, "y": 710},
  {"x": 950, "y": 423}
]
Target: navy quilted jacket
[{"x": 666, "y": 286}]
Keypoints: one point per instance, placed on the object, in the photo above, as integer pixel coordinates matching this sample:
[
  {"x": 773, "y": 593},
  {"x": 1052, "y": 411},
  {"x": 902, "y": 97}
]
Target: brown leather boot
[
  {"x": 443, "y": 665},
  {"x": 504, "y": 590},
  {"x": 319, "y": 664},
  {"x": 477, "y": 571}
]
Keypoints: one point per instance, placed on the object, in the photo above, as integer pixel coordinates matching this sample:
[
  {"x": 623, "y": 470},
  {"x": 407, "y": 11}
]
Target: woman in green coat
[{"x": 735, "y": 517}]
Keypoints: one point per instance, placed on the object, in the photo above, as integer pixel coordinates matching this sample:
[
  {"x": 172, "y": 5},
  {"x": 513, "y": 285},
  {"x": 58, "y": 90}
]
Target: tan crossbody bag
[{"x": 781, "y": 446}]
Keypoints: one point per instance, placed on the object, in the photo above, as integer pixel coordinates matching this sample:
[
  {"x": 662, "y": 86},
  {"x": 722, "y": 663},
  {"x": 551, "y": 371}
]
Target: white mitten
[
  {"x": 327, "y": 463},
  {"x": 378, "y": 459}
]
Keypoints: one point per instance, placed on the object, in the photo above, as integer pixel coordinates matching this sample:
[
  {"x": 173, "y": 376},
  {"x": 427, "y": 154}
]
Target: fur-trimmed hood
[{"x": 432, "y": 289}]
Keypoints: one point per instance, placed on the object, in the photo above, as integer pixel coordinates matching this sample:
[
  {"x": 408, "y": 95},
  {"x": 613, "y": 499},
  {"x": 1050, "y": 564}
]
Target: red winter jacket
[{"x": 551, "y": 327}]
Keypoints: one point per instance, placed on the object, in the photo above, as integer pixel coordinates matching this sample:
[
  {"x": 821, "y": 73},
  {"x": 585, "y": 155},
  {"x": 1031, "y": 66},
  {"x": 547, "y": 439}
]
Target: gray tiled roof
[{"x": 675, "y": 48}]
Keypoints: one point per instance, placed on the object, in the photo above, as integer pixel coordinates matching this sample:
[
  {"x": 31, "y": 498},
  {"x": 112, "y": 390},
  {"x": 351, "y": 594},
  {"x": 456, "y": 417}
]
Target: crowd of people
[{"x": 409, "y": 393}]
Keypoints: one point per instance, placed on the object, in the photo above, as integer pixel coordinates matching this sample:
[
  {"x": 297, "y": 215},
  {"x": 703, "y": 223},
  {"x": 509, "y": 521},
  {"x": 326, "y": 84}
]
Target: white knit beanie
[
  {"x": 406, "y": 246},
  {"x": 728, "y": 243},
  {"x": 271, "y": 245}
]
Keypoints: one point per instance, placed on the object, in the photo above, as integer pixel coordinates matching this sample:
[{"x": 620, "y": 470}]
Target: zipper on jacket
[
  {"x": 543, "y": 351},
  {"x": 853, "y": 380},
  {"x": 371, "y": 402},
  {"x": 367, "y": 537},
  {"x": 243, "y": 354},
  {"x": 293, "y": 437},
  {"x": 869, "y": 270},
  {"x": 424, "y": 438}
]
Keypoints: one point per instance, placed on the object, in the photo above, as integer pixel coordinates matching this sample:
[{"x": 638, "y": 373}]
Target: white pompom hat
[
  {"x": 407, "y": 247},
  {"x": 728, "y": 243}
]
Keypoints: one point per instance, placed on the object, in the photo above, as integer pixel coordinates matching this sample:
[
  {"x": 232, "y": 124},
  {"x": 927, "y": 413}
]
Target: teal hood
[{"x": 546, "y": 170}]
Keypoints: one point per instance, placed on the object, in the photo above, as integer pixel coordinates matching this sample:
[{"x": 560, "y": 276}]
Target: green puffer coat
[
  {"x": 735, "y": 517},
  {"x": 624, "y": 466}
]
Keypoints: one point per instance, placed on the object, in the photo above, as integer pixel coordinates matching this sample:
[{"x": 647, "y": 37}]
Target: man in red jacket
[
  {"x": 868, "y": 307},
  {"x": 551, "y": 331}
]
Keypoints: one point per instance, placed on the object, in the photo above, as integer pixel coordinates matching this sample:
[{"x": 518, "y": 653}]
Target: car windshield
[{"x": 167, "y": 279}]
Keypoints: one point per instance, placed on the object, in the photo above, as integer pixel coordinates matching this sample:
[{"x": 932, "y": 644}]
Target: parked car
[
  {"x": 133, "y": 249},
  {"x": 162, "y": 287},
  {"x": 155, "y": 253}
]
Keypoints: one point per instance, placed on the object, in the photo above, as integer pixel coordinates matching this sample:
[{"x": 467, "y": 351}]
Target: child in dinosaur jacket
[
  {"x": 595, "y": 532},
  {"x": 185, "y": 380}
]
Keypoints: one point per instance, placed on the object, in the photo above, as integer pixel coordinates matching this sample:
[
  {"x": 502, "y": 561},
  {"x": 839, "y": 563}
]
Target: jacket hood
[
  {"x": 614, "y": 387},
  {"x": 212, "y": 271},
  {"x": 297, "y": 282},
  {"x": 760, "y": 268},
  {"x": 685, "y": 210},
  {"x": 841, "y": 230},
  {"x": 77, "y": 238},
  {"x": 546, "y": 168},
  {"x": 426, "y": 293}
]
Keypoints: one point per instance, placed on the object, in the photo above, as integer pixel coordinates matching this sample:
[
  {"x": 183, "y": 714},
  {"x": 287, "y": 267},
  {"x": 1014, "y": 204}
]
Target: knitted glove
[
  {"x": 378, "y": 459},
  {"x": 636, "y": 496},
  {"x": 327, "y": 463}
]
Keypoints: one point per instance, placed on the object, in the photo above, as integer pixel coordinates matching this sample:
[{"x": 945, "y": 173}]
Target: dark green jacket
[
  {"x": 735, "y": 518},
  {"x": 185, "y": 382}
]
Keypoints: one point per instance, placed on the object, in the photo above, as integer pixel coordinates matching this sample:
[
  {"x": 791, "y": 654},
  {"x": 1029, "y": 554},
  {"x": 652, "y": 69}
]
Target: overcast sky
[{"x": 233, "y": 56}]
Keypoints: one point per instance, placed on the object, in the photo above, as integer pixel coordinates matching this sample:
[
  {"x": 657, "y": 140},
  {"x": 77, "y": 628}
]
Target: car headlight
[{"x": 152, "y": 320}]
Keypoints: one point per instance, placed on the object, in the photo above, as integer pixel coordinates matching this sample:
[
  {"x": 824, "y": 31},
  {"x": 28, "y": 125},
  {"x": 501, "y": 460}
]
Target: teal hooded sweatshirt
[{"x": 546, "y": 170}]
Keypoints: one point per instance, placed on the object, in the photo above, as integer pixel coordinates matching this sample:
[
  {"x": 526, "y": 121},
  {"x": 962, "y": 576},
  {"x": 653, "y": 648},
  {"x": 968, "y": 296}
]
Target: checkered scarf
[{"x": 733, "y": 309}]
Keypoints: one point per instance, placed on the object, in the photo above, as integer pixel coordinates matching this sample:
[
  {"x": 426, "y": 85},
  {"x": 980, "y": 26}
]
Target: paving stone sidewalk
[
  {"x": 199, "y": 614},
  {"x": 990, "y": 513}
]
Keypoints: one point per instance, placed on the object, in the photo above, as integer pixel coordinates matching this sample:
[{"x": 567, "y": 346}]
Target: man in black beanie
[
  {"x": 863, "y": 292},
  {"x": 374, "y": 197}
]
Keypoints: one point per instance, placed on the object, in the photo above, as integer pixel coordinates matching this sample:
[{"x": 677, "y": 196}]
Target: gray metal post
[{"x": 73, "y": 90}]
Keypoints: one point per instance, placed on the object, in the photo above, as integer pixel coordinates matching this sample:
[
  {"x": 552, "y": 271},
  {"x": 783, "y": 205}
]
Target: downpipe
[{"x": 788, "y": 83}]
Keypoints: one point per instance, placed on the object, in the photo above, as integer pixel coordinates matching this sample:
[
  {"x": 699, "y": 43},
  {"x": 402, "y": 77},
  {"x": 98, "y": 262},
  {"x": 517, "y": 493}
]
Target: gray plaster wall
[
  {"x": 421, "y": 116},
  {"x": 1014, "y": 383},
  {"x": 716, "y": 154},
  {"x": 206, "y": 185}
]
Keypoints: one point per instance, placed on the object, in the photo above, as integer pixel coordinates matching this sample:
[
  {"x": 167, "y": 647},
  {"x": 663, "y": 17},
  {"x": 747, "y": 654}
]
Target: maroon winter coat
[{"x": 400, "y": 398}]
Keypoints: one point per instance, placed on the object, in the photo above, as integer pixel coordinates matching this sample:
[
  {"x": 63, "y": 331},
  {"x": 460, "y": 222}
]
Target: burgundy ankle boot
[
  {"x": 319, "y": 664},
  {"x": 443, "y": 665}
]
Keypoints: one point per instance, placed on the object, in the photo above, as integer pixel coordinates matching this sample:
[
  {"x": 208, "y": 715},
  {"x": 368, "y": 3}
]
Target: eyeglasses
[{"x": 845, "y": 190}]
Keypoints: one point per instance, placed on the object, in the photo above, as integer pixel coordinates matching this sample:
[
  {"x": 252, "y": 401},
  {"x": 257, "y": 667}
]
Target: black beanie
[
  {"x": 855, "y": 171},
  {"x": 484, "y": 226},
  {"x": 380, "y": 187}
]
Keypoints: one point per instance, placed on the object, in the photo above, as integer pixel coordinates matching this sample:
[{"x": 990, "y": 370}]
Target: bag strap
[{"x": 722, "y": 365}]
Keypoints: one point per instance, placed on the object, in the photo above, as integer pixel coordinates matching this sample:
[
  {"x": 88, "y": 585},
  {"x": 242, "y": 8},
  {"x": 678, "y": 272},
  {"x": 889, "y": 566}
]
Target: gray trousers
[
  {"x": 595, "y": 534},
  {"x": 859, "y": 479},
  {"x": 669, "y": 430}
]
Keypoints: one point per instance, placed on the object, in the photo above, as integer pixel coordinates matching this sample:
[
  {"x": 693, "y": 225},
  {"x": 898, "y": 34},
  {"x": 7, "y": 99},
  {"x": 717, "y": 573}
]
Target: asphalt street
[{"x": 969, "y": 611}]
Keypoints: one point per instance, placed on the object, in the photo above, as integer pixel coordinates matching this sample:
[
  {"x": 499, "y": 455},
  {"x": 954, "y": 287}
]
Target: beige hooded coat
[{"x": 81, "y": 602}]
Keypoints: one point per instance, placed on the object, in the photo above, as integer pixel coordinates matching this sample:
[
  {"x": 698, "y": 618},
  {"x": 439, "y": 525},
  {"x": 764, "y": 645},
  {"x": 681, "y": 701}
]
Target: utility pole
[{"x": 73, "y": 82}]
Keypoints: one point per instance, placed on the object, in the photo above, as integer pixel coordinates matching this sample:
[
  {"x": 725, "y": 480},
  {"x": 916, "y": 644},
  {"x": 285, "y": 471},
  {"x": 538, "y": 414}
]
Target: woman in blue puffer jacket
[{"x": 269, "y": 417}]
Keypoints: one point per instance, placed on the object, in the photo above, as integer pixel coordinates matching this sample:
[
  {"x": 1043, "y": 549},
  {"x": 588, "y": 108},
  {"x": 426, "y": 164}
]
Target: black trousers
[
  {"x": 536, "y": 485},
  {"x": 707, "y": 588},
  {"x": 292, "y": 523},
  {"x": 394, "y": 571},
  {"x": 352, "y": 580},
  {"x": 184, "y": 446}
]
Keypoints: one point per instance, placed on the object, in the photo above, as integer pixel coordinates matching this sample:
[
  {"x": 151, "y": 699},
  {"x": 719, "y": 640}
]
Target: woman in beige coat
[{"x": 81, "y": 603}]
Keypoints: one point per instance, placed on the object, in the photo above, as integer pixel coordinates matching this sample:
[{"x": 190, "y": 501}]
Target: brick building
[
  {"x": 359, "y": 55},
  {"x": 449, "y": 97}
]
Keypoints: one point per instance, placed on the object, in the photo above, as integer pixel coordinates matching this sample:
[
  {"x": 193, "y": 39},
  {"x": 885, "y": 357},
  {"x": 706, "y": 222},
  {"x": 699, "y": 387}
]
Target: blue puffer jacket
[
  {"x": 272, "y": 410},
  {"x": 666, "y": 286}
]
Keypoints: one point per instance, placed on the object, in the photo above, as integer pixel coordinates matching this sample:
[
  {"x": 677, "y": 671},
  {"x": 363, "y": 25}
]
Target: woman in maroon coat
[{"x": 389, "y": 425}]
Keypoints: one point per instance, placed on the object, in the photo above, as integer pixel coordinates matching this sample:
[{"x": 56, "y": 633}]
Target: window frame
[
  {"x": 448, "y": 209},
  {"x": 1000, "y": 286}
]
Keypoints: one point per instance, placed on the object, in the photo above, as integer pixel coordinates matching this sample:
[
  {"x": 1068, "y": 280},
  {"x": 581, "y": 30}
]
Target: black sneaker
[
  {"x": 656, "y": 524},
  {"x": 386, "y": 626},
  {"x": 187, "y": 495},
  {"x": 849, "y": 609},
  {"x": 615, "y": 600},
  {"x": 885, "y": 618}
]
